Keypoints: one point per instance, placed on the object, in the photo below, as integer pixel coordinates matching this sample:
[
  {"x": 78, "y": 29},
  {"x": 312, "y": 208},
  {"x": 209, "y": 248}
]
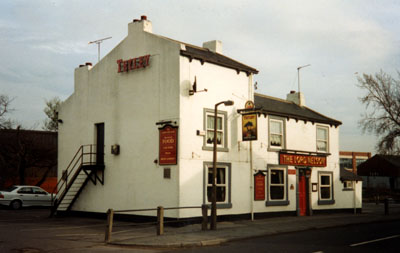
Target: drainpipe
[{"x": 251, "y": 97}]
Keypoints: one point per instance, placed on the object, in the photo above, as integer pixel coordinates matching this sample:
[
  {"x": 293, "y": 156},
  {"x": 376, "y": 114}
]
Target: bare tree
[
  {"x": 5, "y": 103},
  {"x": 382, "y": 101},
  {"x": 51, "y": 110}
]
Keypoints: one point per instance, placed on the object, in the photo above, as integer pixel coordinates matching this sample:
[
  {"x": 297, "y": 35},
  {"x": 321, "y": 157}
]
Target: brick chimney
[
  {"x": 140, "y": 25},
  {"x": 296, "y": 97},
  {"x": 214, "y": 45}
]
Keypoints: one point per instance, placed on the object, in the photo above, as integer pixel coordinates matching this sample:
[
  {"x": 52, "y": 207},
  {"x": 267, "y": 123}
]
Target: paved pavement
[{"x": 192, "y": 235}]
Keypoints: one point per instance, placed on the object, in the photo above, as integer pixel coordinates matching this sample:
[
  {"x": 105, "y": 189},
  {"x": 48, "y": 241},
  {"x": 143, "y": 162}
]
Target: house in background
[
  {"x": 349, "y": 160},
  {"x": 138, "y": 132},
  {"x": 381, "y": 172}
]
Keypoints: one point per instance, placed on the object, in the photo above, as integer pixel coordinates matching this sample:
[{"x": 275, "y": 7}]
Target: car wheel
[{"x": 16, "y": 204}]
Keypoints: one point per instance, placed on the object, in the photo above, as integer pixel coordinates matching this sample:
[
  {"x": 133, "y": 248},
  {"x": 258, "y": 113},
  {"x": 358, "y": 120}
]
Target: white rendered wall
[
  {"x": 129, "y": 103},
  {"x": 222, "y": 84}
]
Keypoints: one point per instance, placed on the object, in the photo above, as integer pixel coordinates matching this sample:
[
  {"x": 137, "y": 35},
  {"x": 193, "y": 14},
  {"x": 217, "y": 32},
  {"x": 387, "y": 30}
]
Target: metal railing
[
  {"x": 86, "y": 155},
  {"x": 160, "y": 218}
]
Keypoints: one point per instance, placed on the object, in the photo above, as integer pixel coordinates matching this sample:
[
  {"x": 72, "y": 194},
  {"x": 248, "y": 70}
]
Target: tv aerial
[
  {"x": 98, "y": 42},
  {"x": 298, "y": 74}
]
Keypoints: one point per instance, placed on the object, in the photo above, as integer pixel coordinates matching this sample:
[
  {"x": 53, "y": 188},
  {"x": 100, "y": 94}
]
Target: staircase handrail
[
  {"x": 55, "y": 190},
  {"x": 70, "y": 168}
]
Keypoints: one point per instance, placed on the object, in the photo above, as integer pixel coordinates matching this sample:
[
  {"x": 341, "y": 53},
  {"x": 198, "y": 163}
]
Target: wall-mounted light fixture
[
  {"x": 194, "y": 88},
  {"x": 115, "y": 149}
]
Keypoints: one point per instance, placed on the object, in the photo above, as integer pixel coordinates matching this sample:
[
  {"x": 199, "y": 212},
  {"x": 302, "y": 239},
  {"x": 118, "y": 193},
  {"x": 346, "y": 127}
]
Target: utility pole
[{"x": 98, "y": 42}]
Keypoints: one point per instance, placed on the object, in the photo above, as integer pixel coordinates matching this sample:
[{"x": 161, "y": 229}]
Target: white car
[{"x": 18, "y": 196}]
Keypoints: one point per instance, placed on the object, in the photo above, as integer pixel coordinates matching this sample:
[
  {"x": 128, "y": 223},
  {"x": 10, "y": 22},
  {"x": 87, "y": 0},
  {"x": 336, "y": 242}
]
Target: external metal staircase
[{"x": 86, "y": 166}]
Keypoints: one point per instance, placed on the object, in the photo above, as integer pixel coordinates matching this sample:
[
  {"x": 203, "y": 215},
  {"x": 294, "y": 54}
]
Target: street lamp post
[{"x": 214, "y": 172}]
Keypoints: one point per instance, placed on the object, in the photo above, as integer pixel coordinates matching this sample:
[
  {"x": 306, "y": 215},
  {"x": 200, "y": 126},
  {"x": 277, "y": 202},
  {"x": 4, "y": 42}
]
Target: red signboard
[
  {"x": 302, "y": 160},
  {"x": 292, "y": 172},
  {"x": 132, "y": 64},
  {"x": 259, "y": 186},
  {"x": 168, "y": 145}
]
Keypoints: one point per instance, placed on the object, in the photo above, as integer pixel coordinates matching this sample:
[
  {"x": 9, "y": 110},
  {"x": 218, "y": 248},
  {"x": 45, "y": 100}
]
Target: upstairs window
[
  {"x": 322, "y": 139},
  {"x": 276, "y": 133},
  {"x": 209, "y": 130}
]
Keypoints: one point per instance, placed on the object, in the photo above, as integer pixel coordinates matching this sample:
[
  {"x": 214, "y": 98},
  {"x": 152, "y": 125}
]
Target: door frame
[
  {"x": 99, "y": 141},
  {"x": 306, "y": 171}
]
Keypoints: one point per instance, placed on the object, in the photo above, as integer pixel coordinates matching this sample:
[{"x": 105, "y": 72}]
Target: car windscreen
[{"x": 10, "y": 189}]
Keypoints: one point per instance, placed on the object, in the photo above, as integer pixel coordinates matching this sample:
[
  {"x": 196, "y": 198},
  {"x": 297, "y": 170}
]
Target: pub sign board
[
  {"x": 249, "y": 127},
  {"x": 168, "y": 146},
  {"x": 302, "y": 160},
  {"x": 259, "y": 186},
  {"x": 132, "y": 64}
]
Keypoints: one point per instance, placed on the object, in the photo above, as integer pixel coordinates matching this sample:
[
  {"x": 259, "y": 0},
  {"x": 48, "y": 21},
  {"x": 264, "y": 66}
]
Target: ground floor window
[
  {"x": 325, "y": 182},
  {"x": 223, "y": 183},
  {"x": 347, "y": 185},
  {"x": 277, "y": 186}
]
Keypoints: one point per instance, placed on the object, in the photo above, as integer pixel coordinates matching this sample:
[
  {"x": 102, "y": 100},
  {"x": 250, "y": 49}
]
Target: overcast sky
[{"x": 43, "y": 41}]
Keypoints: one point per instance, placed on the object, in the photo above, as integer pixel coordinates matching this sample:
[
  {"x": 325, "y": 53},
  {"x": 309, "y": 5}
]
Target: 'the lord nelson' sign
[
  {"x": 302, "y": 160},
  {"x": 168, "y": 145},
  {"x": 134, "y": 63}
]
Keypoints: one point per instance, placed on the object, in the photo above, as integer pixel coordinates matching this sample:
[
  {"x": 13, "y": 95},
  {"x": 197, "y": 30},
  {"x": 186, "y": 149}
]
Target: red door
[{"x": 302, "y": 195}]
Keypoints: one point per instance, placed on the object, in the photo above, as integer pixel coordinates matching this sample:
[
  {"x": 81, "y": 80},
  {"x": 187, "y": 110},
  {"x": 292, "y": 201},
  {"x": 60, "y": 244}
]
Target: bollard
[
  {"x": 160, "y": 220},
  {"x": 110, "y": 217},
  {"x": 204, "y": 210},
  {"x": 386, "y": 206}
]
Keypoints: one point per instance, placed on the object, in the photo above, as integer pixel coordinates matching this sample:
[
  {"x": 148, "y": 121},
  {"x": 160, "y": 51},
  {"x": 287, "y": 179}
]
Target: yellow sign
[{"x": 249, "y": 127}]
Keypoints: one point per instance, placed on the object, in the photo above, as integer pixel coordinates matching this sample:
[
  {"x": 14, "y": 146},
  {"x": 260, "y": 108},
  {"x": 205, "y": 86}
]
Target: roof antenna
[
  {"x": 98, "y": 42},
  {"x": 298, "y": 74}
]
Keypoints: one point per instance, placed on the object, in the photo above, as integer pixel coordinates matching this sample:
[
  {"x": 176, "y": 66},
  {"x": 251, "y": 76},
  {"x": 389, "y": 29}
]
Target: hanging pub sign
[
  {"x": 259, "y": 186},
  {"x": 168, "y": 145},
  {"x": 249, "y": 123},
  {"x": 249, "y": 127},
  {"x": 134, "y": 63},
  {"x": 302, "y": 160}
]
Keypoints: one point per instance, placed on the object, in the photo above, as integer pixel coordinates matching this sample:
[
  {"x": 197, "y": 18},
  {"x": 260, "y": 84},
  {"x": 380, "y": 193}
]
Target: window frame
[
  {"x": 209, "y": 146},
  {"x": 280, "y": 202},
  {"x": 321, "y": 140},
  {"x": 325, "y": 201},
  {"x": 283, "y": 144},
  {"x": 346, "y": 187},
  {"x": 228, "y": 182}
]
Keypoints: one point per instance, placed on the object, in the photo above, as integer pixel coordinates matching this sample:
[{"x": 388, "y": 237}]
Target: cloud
[{"x": 41, "y": 42}]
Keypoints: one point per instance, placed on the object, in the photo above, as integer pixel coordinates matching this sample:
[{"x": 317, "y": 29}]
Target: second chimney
[
  {"x": 214, "y": 45},
  {"x": 296, "y": 97}
]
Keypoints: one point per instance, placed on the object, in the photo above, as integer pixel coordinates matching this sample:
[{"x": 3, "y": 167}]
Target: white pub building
[{"x": 138, "y": 133}]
